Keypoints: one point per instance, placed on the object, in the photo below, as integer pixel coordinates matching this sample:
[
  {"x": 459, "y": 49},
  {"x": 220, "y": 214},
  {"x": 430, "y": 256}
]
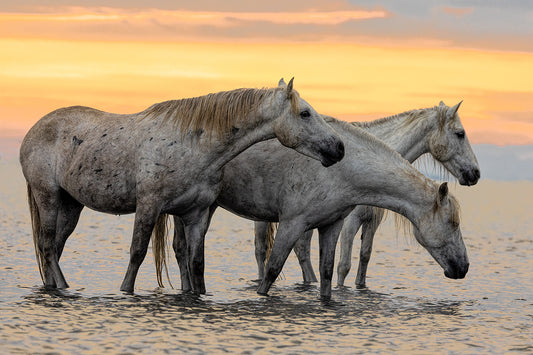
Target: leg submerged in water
[
  {"x": 179, "y": 245},
  {"x": 145, "y": 219},
  {"x": 45, "y": 212},
  {"x": 350, "y": 227},
  {"x": 195, "y": 237},
  {"x": 261, "y": 246},
  {"x": 302, "y": 249},
  {"x": 286, "y": 236},
  {"x": 328, "y": 237}
]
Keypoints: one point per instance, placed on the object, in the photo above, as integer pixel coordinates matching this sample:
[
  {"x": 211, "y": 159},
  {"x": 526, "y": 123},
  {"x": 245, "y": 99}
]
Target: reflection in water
[
  {"x": 296, "y": 317},
  {"x": 409, "y": 306}
]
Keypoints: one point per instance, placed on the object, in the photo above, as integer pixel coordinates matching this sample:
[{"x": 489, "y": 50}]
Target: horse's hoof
[
  {"x": 63, "y": 285},
  {"x": 325, "y": 298},
  {"x": 127, "y": 290}
]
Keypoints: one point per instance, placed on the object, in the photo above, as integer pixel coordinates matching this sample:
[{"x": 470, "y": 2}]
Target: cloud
[
  {"x": 469, "y": 24},
  {"x": 457, "y": 11},
  {"x": 195, "y": 18}
]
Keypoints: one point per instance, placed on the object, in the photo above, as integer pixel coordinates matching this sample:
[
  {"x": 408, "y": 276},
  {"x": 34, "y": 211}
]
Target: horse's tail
[
  {"x": 36, "y": 228},
  {"x": 271, "y": 233},
  {"x": 159, "y": 248},
  {"x": 378, "y": 215}
]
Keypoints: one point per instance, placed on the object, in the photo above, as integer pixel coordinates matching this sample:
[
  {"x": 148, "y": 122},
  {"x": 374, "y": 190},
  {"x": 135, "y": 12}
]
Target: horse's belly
[
  {"x": 246, "y": 207},
  {"x": 111, "y": 192}
]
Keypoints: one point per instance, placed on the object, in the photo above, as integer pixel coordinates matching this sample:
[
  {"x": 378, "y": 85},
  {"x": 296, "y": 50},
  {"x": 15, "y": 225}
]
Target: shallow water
[{"x": 409, "y": 307}]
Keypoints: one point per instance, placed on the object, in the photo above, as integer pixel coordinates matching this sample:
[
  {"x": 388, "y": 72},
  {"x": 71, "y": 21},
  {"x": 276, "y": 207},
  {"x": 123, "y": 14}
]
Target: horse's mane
[
  {"x": 356, "y": 131},
  {"x": 406, "y": 226},
  {"x": 351, "y": 128},
  {"x": 214, "y": 113},
  {"x": 408, "y": 117},
  {"x": 426, "y": 160}
]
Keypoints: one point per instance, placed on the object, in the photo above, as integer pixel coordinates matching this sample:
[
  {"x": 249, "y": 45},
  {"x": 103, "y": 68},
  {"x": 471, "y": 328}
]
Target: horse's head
[
  {"x": 449, "y": 145},
  {"x": 439, "y": 233},
  {"x": 300, "y": 127}
]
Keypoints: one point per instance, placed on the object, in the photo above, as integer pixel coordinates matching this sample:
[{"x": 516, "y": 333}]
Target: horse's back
[{"x": 65, "y": 135}]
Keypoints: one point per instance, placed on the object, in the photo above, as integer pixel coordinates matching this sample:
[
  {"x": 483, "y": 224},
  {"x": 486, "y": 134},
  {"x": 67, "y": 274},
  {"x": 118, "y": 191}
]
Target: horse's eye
[
  {"x": 460, "y": 134},
  {"x": 305, "y": 114}
]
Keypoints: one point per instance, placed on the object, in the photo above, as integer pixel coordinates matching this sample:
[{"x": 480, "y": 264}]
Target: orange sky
[{"x": 118, "y": 60}]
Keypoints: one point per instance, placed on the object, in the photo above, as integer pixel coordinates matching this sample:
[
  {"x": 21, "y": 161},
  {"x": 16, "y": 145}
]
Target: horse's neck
[
  {"x": 377, "y": 176},
  {"x": 239, "y": 140},
  {"x": 407, "y": 133}
]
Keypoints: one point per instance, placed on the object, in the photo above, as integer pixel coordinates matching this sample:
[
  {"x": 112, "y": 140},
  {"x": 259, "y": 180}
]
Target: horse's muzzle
[
  {"x": 470, "y": 177},
  {"x": 455, "y": 271},
  {"x": 333, "y": 154}
]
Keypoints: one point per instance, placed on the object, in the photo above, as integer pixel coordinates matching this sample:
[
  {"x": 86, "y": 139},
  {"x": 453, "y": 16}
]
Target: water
[{"x": 409, "y": 307}]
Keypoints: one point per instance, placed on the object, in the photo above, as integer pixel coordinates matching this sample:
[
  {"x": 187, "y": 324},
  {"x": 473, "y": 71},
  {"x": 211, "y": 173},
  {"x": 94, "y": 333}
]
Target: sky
[{"x": 355, "y": 60}]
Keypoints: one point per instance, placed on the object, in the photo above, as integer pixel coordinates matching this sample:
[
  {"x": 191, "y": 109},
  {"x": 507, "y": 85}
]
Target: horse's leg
[
  {"x": 286, "y": 237},
  {"x": 367, "y": 239},
  {"x": 179, "y": 244},
  {"x": 67, "y": 219},
  {"x": 302, "y": 249},
  {"x": 260, "y": 232},
  {"x": 145, "y": 219},
  {"x": 48, "y": 202},
  {"x": 351, "y": 224},
  {"x": 195, "y": 235},
  {"x": 328, "y": 237}
]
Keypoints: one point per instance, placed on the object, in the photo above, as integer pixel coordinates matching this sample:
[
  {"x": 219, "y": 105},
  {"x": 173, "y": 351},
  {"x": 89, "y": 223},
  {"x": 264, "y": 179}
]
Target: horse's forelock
[
  {"x": 442, "y": 117},
  {"x": 295, "y": 102}
]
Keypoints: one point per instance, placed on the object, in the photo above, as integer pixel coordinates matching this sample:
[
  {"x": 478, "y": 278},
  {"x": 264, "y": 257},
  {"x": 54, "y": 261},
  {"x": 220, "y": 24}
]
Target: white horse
[
  {"x": 166, "y": 159},
  {"x": 268, "y": 182},
  {"x": 437, "y": 131}
]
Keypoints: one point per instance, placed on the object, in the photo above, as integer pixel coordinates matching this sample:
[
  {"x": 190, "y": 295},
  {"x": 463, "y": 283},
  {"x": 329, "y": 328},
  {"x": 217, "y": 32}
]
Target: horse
[
  {"x": 268, "y": 182},
  {"x": 166, "y": 159},
  {"x": 436, "y": 132}
]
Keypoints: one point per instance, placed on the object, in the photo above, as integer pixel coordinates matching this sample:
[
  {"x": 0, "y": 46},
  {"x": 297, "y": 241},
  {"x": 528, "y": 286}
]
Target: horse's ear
[
  {"x": 450, "y": 113},
  {"x": 289, "y": 88},
  {"x": 443, "y": 191},
  {"x": 442, "y": 103},
  {"x": 281, "y": 83}
]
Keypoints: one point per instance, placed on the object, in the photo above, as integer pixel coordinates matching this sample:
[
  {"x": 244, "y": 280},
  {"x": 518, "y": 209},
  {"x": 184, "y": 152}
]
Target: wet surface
[{"x": 409, "y": 306}]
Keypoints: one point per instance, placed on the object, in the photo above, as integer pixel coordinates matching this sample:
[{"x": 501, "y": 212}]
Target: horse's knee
[
  {"x": 344, "y": 268},
  {"x": 364, "y": 256}
]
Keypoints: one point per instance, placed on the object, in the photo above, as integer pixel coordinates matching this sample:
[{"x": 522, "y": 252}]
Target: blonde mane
[{"x": 216, "y": 113}]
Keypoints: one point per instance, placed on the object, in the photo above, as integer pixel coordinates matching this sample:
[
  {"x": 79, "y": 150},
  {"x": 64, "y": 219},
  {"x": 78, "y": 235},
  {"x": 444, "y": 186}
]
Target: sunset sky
[{"x": 356, "y": 60}]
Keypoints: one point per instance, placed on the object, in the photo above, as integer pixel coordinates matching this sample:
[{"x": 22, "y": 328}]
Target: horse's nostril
[
  {"x": 340, "y": 148},
  {"x": 477, "y": 173}
]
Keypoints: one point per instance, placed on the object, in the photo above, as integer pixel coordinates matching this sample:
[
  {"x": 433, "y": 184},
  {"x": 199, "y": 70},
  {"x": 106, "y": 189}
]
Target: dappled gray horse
[
  {"x": 166, "y": 159},
  {"x": 437, "y": 131},
  {"x": 296, "y": 191}
]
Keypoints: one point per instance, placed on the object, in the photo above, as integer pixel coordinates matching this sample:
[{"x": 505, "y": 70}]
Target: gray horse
[
  {"x": 166, "y": 159},
  {"x": 436, "y": 131},
  {"x": 268, "y": 182}
]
